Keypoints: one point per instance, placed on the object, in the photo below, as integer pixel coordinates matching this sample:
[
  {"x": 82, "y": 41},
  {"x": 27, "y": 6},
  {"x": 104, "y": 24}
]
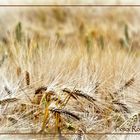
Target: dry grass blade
[
  {"x": 29, "y": 113},
  {"x": 123, "y": 106},
  {"x": 8, "y": 90},
  {"x": 126, "y": 85},
  {"x": 13, "y": 120},
  {"x": 97, "y": 87},
  {"x": 65, "y": 112},
  {"x": 8, "y": 100}
]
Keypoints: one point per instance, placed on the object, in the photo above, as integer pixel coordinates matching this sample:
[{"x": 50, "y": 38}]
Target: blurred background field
[{"x": 107, "y": 26}]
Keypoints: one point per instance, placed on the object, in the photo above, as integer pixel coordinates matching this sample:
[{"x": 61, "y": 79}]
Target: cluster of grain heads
[{"x": 46, "y": 88}]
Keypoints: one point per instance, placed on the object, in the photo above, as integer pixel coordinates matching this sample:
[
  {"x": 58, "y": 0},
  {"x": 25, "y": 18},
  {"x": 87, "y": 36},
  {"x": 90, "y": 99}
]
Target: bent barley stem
[
  {"x": 65, "y": 101},
  {"x": 46, "y": 115},
  {"x": 58, "y": 124}
]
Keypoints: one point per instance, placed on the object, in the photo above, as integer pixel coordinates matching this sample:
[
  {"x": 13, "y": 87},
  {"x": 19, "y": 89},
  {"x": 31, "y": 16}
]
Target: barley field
[{"x": 69, "y": 73}]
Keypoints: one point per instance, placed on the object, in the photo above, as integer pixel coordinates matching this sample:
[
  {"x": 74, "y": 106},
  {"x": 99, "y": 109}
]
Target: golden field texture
[{"x": 70, "y": 71}]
